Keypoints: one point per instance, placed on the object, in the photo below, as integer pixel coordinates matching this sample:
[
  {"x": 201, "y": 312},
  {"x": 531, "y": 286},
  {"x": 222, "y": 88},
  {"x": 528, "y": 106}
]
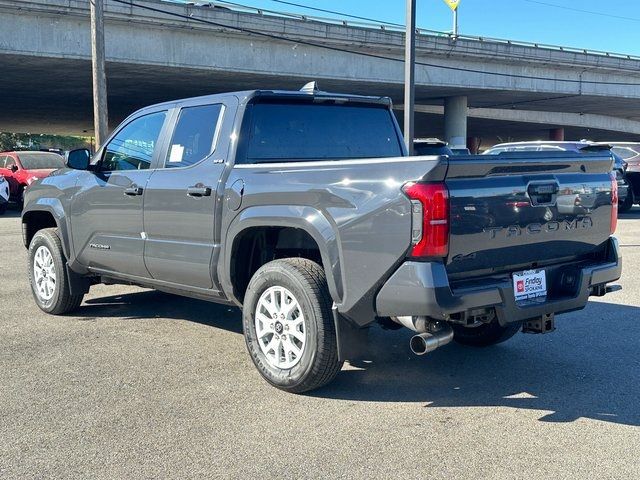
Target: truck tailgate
[{"x": 524, "y": 210}]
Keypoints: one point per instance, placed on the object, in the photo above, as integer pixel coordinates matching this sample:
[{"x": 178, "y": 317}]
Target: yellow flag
[{"x": 453, "y": 4}]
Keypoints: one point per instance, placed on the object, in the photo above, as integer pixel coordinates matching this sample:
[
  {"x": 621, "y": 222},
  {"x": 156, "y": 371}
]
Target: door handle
[
  {"x": 133, "y": 190},
  {"x": 198, "y": 191}
]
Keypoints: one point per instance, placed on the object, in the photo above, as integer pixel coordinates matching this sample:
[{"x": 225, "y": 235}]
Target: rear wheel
[
  {"x": 628, "y": 202},
  {"x": 485, "y": 334},
  {"x": 48, "y": 275},
  {"x": 288, "y": 325}
]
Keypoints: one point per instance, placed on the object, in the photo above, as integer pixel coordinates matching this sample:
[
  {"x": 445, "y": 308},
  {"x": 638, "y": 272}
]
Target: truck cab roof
[{"x": 245, "y": 96}]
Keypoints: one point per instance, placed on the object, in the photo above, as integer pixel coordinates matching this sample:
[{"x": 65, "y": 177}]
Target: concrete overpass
[{"x": 513, "y": 91}]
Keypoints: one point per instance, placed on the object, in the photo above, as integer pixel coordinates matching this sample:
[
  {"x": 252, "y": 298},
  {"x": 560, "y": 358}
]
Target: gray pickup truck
[{"x": 304, "y": 209}]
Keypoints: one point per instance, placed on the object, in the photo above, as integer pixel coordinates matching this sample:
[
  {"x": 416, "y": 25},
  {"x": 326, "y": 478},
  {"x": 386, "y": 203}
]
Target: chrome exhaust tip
[{"x": 427, "y": 342}]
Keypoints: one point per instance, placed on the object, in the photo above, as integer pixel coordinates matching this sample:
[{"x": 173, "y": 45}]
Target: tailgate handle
[{"x": 543, "y": 193}]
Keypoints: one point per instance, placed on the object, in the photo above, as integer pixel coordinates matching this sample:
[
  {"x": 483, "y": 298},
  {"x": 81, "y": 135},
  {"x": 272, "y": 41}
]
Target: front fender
[
  {"x": 51, "y": 195},
  {"x": 53, "y": 206},
  {"x": 306, "y": 218}
]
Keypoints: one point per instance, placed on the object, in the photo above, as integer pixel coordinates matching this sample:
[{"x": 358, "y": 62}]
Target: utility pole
[
  {"x": 100, "y": 113},
  {"x": 455, "y": 24},
  {"x": 409, "y": 74}
]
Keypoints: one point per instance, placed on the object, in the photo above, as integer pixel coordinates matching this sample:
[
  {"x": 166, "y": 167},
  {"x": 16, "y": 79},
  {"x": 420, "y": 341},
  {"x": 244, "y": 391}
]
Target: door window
[
  {"x": 195, "y": 135},
  {"x": 3, "y": 160},
  {"x": 132, "y": 148}
]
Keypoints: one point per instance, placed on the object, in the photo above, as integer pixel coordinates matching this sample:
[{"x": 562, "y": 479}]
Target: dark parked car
[
  {"x": 630, "y": 153},
  {"x": 435, "y": 146},
  {"x": 625, "y": 192},
  {"x": 431, "y": 146},
  {"x": 303, "y": 209}
]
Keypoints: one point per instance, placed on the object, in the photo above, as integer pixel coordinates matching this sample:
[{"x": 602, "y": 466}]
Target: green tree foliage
[{"x": 27, "y": 141}]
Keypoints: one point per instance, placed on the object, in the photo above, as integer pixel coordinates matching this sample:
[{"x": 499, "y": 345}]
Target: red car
[{"x": 22, "y": 168}]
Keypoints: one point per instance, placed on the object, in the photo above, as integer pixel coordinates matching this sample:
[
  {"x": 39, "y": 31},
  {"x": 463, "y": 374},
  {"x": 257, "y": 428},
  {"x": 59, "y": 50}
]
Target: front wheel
[
  {"x": 486, "y": 334},
  {"x": 288, "y": 325},
  {"x": 48, "y": 275}
]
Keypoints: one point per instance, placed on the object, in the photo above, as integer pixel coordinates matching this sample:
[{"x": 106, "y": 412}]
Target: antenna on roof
[{"x": 311, "y": 88}]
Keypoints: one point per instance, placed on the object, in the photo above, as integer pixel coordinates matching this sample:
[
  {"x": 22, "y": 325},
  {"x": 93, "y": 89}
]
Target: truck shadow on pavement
[
  {"x": 12, "y": 213},
  {"x": 634, "y": 213},
  {"x": 154, "y": 304},
  {"x": 588, "y": 368}
]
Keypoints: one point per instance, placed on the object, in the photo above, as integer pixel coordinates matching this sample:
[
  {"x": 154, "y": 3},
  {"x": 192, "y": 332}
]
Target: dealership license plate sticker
[{"x": 530, "y": 284}]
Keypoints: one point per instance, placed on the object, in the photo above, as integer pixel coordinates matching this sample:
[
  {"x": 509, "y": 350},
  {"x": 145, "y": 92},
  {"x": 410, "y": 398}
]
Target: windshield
[
  {"x": 290, "y": 131},
  {"x": 41, "y": 160},
  {"x": 627, "y": 153}
]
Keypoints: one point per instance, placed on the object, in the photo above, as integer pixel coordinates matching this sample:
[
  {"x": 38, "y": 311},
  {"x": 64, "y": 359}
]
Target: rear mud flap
[{"x": 353, "y": 341}]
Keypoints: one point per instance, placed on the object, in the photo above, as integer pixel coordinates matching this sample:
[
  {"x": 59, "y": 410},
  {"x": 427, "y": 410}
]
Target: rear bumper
[{"x": 422, "y": 289}]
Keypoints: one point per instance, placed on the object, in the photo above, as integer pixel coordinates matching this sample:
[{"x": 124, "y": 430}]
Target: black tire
[
  {"x": 20, "y": 197},
  {"x": 625, "y": 206},
  {"x": 62, "y": 301},
  {"x": 318, "y": 363},
  {"x": 486, "y": 334}
]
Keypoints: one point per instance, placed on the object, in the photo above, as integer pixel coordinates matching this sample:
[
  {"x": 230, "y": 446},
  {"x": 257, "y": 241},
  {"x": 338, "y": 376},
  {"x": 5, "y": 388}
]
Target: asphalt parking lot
[{"x": 139, "y": 384}]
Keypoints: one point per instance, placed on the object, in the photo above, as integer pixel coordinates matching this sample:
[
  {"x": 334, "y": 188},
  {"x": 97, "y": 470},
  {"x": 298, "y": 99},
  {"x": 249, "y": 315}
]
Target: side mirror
[
  {"x": 78, "y": 159},
  {"x": 13, "y": 168}
]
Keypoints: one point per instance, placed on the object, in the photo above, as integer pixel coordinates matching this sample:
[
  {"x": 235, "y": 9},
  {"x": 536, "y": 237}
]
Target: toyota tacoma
[{"x": 304, "y": 209}]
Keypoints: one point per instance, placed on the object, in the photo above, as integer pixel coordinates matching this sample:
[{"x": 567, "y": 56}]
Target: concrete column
[
  {"x": 556, "y": 134},
  {"x": 455, "y": 121}
]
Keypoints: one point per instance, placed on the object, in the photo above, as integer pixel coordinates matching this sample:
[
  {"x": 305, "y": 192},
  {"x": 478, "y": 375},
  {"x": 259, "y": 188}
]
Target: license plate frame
[{"x": 530, "y": 285}]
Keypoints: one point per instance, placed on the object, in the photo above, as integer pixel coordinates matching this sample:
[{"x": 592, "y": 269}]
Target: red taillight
[
  {"x": 614, "y": 202},
  {"x": 430, "y": 214}
]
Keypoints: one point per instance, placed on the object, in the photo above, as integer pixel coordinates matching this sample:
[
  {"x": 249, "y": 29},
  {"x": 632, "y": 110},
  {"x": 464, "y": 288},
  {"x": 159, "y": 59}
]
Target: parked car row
[
  {"x": 18, "y": 169},
  {"x": 625, "y": 193}
]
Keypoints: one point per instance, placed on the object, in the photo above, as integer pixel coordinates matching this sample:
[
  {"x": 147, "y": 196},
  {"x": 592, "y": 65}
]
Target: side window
[
  {"x": 3, "y": 160},
  {"x": 132, "y": 148},
  {"x": 9, "y": 162},
  {"x": 195, "y": 135}
]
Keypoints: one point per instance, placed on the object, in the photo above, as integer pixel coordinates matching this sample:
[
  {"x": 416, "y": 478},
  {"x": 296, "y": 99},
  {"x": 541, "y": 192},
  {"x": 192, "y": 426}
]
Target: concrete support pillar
[
  {"x": 455, "y": 121},
  {"x": 556, "y": 134},
  {"x": 473, "y": 144}
]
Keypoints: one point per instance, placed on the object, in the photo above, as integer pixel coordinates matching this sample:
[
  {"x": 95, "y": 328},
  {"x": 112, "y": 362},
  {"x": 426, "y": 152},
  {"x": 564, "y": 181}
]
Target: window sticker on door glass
[{"x": 177, "y": 151}]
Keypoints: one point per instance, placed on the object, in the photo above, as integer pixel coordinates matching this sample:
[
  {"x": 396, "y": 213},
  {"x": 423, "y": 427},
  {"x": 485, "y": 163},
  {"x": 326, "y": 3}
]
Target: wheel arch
[
  {"x": 292, "y": 219},
  {"x": 39, "y": 217}
]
